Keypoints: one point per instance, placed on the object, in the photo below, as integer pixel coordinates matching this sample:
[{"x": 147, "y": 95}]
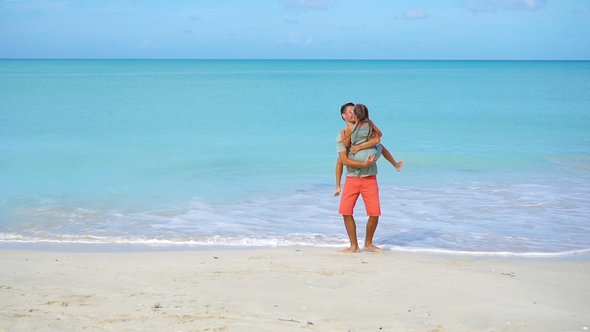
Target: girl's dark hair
[{"x": 362, "y": 113}]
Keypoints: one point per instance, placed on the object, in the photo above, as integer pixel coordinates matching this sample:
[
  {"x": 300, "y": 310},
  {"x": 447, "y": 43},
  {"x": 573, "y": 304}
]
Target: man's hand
[{"x": 370, "y": 161}]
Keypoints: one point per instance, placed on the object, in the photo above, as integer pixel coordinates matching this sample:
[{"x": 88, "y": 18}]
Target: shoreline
[
  {"x": 282, "y": 289},
  {"x": 582, "y": 254}
]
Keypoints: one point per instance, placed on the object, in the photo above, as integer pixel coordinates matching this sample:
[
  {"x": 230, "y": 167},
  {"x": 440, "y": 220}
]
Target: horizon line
[{"x": 287, "y": 59}]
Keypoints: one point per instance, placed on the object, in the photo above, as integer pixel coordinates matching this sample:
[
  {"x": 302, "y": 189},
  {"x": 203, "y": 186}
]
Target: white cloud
[
  {"x": 312, "y": 4},
  {"x": 145, "y": 45},
  {"x": 494, "y": 5},
  {"x": 415, "y": 14},
  {"x": 294, "y": 38}
]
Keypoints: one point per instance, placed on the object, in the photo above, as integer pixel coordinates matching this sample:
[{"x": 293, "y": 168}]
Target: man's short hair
[{"x": 343, "y": 108}]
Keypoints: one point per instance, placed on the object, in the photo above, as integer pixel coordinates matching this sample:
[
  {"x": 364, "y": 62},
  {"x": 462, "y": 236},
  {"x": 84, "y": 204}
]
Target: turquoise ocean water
[{"x": 242, "y": 153}]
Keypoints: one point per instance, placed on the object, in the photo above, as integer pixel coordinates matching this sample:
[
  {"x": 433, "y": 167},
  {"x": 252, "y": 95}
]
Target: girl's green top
[{"x": 360, "y": 135}]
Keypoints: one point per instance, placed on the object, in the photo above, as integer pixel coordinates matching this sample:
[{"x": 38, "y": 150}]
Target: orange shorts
[{"x": 366, "y": 187}]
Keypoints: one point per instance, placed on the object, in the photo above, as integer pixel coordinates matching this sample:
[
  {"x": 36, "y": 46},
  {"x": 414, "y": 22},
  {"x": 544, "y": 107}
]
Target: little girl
[{"x": 354, "y": 140}]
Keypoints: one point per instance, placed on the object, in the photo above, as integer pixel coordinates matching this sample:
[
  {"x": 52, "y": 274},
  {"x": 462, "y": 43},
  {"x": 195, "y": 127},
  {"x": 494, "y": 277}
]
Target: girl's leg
[
  {"x": 339, "y": 167},
  {"x": 387, "y": 155}
]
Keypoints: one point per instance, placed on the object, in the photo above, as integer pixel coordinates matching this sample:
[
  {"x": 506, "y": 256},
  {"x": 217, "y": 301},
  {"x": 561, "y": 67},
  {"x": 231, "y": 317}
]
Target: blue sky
[{"x": 296, "y": 29}]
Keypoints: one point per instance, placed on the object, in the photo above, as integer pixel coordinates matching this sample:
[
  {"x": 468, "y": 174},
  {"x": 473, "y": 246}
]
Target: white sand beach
[{"x": 289, "y": 289}]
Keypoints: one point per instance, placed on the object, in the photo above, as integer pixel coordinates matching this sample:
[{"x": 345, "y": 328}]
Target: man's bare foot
[
  {"x": 372, "y": 248},
  {"x": 337, "y": 192},
  {"x": 350, "y": 250},
  {"x": 399, "y": 165}
]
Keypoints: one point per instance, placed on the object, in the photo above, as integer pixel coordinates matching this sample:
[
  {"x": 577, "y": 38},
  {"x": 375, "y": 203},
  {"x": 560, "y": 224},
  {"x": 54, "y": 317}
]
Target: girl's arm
[
  {"x": 344, "y": 139},
  {"x": 346, "y": 133},
  {"x": 375, "y": 129}
]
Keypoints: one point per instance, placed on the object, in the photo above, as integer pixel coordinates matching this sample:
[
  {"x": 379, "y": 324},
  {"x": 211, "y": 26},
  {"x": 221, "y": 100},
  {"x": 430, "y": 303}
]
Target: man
[{"x": 361, "y": 179}]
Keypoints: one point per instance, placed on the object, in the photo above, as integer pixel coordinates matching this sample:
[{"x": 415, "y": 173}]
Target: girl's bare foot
[
  {"x": 337, "y": 191},
  {"x": 350, "y": 250},
  {"x": 372, "y": 248},
  {"x": 399, "y": 165}
]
